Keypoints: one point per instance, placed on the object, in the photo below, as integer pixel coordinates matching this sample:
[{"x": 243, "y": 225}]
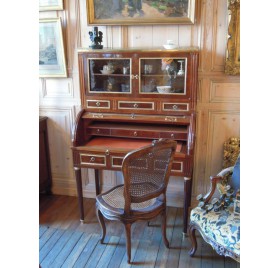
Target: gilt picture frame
[
  {"x": 49, "y": 5},
  {"x": 52, "y": 61},
  {"x": 232, "y": 63},
  {"x": 140, "y": 12}
]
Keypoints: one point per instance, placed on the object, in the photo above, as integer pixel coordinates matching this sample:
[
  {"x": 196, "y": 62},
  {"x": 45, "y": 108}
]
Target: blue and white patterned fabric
[{"x": 220, "y": 229}]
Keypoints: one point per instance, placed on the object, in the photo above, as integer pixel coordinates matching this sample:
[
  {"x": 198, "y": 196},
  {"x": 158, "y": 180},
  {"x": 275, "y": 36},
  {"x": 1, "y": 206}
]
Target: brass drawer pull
[
  {"x": 92, "y": 159},
  {"x": 175, "y": 107},
  {"x": 135, "y": 134},
  {"x": 107, "y": 152},
  {"x": 98, "y": 103},
  {"x": 98, "y": 130},
  {"x": 97, "y": 115},
  {"x": 136, "y": 105},
  {"x": 172, "y": 119},
  {"x": 172, "y": 135}
]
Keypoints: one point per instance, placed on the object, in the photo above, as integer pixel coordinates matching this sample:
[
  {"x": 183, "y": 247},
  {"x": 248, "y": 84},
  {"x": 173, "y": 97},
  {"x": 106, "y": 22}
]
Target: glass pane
[
  {"x": 163, "y": 75},
  {"x": 109, "y": 75}
]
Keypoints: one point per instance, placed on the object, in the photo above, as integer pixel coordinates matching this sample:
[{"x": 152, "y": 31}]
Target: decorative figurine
[
  {"x": 96, "y": 39},
  {"x": 169, "y": 67}
]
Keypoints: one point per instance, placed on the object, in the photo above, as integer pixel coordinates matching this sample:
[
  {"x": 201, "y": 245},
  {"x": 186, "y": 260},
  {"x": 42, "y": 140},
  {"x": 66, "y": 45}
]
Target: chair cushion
[
  {"x": 115, "y": 199},
  {"x": 221, "y": 227},
  {"x": 235, "y": 179}
]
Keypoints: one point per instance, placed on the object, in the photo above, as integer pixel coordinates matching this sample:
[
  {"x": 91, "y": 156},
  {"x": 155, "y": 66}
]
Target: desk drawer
[
  {"x": 176, "y": 136},
  {"x": 98, "y": 131},
  {"x": 177, "y": 167},
  {"x": 136, "y": 105},
  {"x": 134, "y": 133},
  {"x": 169, "y": 106},
  {"x": 93, "y": 159},
  {"x": 98, "y": 104}
]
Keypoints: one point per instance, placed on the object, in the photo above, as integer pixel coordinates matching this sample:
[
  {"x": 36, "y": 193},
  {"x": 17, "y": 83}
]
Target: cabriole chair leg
[
  {"x": 192, "y": 235},
  {"x": 102, "y": 223}
]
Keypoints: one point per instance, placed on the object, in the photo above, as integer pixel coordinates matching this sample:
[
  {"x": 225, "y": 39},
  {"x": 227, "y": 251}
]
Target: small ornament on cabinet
[{"x": 96, "y": 38}]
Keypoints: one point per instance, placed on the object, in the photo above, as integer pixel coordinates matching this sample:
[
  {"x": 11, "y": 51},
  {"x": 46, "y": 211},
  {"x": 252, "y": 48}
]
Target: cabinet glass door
[
  {"x": 109, "y": 75},
  {"x": 163, "y": 76}
]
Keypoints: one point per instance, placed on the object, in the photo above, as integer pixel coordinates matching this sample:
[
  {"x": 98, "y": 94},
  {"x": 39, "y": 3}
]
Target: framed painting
[
  {"x": 51, "y": 49},
  {"x": 135, "y": 12},
  {"x": 48, "y": 5},
  {"x": 232, "y": 64}
]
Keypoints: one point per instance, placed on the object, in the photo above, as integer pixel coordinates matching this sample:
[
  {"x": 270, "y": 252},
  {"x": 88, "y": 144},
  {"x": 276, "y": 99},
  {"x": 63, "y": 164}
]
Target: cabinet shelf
[{"x": 116, "y": 75}]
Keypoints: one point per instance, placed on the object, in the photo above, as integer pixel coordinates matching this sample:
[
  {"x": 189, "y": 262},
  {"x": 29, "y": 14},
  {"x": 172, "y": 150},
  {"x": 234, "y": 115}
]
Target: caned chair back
[{"x": 146, "y": 172}]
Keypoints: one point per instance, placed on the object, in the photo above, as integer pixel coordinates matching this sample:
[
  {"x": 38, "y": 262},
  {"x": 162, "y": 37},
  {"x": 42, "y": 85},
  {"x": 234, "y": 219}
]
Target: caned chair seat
[
  {"x": 220, "y": 229},
  {"x": 115, "y": 199}
]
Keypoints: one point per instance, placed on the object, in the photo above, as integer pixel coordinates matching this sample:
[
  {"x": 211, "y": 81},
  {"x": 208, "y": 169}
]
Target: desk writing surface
[{"x": 121, "y": 143}]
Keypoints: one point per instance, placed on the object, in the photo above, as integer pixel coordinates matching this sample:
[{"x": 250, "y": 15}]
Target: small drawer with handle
[
  {"x": 135, "y": 133},
  {"x": 98, "y": 131},
  {"x": 135, "y": 105},
  {"x": 174, "y": 135},
  {"x": 92, "y": 159},
  {"x": 176, "y": 107},
  {"x": 98, "y": 104}
]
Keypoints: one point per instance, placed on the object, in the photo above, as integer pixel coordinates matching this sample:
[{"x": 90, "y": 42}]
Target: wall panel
[{"x": 60, "y": 124}]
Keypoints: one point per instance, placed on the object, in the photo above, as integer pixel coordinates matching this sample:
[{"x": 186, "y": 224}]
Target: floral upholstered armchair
[{"x": 218, "y": 220}]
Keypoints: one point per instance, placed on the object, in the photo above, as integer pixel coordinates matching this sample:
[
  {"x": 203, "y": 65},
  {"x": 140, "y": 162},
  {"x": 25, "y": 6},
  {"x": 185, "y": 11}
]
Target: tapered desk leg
[
  {"x": 97, "y": 181},
  {"x": 187, "y": 202},
  {"x": 79, "y": 192}
]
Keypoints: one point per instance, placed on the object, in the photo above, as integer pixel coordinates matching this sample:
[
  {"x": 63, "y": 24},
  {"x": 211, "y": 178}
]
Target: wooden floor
[{"x": 66, "y": 242}]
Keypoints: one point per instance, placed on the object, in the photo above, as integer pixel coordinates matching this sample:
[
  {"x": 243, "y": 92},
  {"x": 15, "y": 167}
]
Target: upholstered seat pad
[
  {"x": 221, "y": 227},
  {"x": 115, "y": 198}
]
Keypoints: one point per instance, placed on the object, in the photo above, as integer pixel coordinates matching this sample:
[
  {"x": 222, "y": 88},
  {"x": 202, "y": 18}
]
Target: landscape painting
[
  {"x": 132, "y": 12},
  {"x": 51, "y": 49}
]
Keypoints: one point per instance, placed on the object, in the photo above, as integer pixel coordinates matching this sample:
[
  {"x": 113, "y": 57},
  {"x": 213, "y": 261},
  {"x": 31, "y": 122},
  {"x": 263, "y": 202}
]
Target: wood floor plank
[
  {"x": 175, "y": 243},
  {"x": 134, "y": 248},
  {"x": 78, "y": 248},
  {"x": 110, "y": 249},
  {"x": 64, "y": 214},
  {"x": 230, "y": 263},
  {"x": 62, "y": 256},
  {"x": 46, "y": 236},
  {"x": 56, "y": 249},
  {"x": 184, "y": 259},
  {"x": 97, "y": 253},
  {"x": 50, "y": 244},
  {"x": 53, "y": 217},
  {"x": 87, "y": 251},
  {"x": 206, "y": 254},
  {"x": 145, "y": 242},
  {"x": 163, "y": 253},
  {"x": 153, "y": 247},
  {"x": 119, "y": 252},
  {"x": 42, "y": 230}
]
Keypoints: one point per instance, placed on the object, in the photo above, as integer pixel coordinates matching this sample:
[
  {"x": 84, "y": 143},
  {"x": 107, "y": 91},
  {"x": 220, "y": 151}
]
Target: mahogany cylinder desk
[{"x": 129, "y": 98}]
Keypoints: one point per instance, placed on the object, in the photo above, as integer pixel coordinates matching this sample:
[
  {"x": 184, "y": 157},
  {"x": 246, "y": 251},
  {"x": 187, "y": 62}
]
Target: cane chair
[
  {"x": 219, "y": 223},
  {"x": 146, "y": 173}
]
